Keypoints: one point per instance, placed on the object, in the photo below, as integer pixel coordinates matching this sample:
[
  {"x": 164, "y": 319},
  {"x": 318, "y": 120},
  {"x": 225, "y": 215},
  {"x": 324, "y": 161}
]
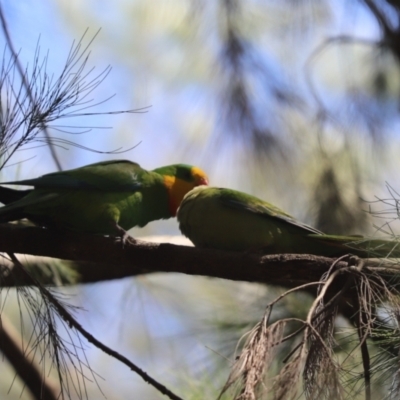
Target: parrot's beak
[
  {"x": 200, "y": 177},
  {"x": 203, "y": 181}
]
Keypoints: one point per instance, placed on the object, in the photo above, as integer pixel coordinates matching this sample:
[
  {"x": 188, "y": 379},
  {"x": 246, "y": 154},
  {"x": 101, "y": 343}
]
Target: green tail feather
[{"x": 357, "y": 245}]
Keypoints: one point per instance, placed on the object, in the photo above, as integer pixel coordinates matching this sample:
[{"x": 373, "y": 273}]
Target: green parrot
[
  {"x": 227, "y": 219},
  {"x": 106, "y": 198}
]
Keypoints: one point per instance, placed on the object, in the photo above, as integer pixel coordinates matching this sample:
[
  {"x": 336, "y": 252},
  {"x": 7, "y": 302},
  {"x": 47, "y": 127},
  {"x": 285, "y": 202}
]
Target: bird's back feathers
[{"x": 231, "y": 220}]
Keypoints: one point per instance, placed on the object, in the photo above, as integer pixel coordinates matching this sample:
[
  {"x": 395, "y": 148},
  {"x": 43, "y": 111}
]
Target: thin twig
[
  {"x": 361, "y": 322},
  {"x": 364, "y": 355},
  {"x": 27, "y": 86},
  {"x": 73, "y": 323}
]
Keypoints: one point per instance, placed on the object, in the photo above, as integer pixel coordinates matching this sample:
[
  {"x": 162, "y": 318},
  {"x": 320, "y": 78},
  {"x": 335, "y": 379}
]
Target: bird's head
[{"x": 180, "y": 179}]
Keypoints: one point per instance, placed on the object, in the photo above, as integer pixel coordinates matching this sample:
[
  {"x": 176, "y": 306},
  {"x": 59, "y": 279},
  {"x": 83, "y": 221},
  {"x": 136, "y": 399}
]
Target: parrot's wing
[
  {"x": 8, "y": 195},
  {"x": 15, "y": 210},
  {"x": 120, "y": 175},
  {"x": 267, "y": 210}
]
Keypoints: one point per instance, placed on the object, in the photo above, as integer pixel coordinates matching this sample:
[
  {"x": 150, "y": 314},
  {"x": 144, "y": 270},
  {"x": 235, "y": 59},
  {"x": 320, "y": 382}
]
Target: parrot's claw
[
  {"x": 127, "y": 237},
  {"x": 124, "y": 235}
]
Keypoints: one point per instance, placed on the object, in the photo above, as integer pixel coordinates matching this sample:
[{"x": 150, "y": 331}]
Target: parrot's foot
[{"x": 124, "y": 235}]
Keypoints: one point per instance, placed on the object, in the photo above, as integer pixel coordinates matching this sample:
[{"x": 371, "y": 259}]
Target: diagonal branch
[
  {"x": 10, "y": 345},
  {"x": 73, "y": 323}
]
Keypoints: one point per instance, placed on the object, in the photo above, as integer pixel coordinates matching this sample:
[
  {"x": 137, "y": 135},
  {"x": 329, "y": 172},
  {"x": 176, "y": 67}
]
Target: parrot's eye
[{"x": 187, "y": 175}]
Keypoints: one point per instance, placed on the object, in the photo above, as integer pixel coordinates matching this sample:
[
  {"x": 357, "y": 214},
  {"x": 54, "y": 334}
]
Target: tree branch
[
  {"x": 21, "y": 358},
  {"x": 103, "y": 258}
]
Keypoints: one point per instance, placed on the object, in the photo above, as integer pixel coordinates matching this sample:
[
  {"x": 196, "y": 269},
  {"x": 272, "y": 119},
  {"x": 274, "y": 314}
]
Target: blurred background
[{"x": 296, "y": 102}]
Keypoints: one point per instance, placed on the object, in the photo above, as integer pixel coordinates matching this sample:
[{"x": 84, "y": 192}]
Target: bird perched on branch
[
  {"x": 227, "y": 219},
  {"x": 105, "y": 198}
]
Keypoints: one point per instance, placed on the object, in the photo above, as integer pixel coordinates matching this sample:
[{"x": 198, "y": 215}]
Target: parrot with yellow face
[{"x": 106, "y": 198}]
